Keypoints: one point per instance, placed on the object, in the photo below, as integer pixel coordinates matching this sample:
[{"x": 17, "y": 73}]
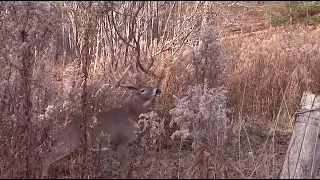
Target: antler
[{"x": 117, "y": 81}]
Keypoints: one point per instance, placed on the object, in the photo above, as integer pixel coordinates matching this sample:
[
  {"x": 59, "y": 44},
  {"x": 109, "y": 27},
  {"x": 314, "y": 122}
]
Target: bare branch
[{"x": 111, "y": 21}]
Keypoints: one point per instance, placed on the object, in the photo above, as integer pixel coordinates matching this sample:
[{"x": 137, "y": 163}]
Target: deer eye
[{"x": 142, "y": 90}]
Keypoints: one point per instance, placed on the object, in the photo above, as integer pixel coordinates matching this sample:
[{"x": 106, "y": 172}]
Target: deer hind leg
[{"x": 123, "y": 153}]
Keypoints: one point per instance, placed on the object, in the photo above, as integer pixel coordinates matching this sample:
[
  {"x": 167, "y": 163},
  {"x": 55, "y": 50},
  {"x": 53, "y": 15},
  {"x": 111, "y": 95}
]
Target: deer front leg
[
  {"x": 52, "y": 157},
  {"x": 123, "y": 153}
]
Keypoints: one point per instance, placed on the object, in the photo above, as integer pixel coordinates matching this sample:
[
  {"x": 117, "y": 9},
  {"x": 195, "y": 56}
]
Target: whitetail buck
[{"x": 118, "y": 123}]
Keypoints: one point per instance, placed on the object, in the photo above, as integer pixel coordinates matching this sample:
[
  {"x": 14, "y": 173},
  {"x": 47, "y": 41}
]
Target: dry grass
[{"x": 270, "y": 67}]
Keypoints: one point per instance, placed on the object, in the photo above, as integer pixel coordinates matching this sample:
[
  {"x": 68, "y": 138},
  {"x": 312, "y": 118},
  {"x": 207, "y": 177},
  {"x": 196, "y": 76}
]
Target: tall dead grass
[{"x": 270, "y": 67}]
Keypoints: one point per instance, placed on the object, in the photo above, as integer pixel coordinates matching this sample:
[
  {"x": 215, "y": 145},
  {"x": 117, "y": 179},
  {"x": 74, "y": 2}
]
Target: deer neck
[{"x": 136, "y": 107}]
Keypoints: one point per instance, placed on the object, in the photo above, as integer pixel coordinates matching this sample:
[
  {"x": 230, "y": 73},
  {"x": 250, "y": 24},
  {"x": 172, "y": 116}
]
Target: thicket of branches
[
  {"x": 57, "y": 58},
  {"x": 62, "y": 57}
]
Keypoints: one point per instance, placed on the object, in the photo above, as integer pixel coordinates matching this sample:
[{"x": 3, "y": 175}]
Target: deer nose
[{"x": 158, "y": 91}]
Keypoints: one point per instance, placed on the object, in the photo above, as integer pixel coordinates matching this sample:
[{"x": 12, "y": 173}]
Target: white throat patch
[{"x": 147, "y": 103}]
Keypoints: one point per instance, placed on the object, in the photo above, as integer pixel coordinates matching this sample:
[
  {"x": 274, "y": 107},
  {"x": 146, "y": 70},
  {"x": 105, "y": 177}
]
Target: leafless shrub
[
  {"x": 201, "y": 116},
  {"x": 152, "y": 130},
  {"x": 201, "y": 113}
]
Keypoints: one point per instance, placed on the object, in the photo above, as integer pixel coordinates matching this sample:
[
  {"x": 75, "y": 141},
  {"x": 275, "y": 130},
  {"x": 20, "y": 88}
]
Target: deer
[{"x": 117, "y": 123}]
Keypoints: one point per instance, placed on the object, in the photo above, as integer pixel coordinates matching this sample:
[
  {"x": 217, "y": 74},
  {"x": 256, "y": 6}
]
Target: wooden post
[{"x": 303, "y": 154}]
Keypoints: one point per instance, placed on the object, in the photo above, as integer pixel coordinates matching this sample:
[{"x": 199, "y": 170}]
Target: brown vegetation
[{"x": 229, "y": 94}]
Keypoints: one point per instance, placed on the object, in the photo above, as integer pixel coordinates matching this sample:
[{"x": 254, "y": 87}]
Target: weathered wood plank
[{"x": 303, "y": 154}]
